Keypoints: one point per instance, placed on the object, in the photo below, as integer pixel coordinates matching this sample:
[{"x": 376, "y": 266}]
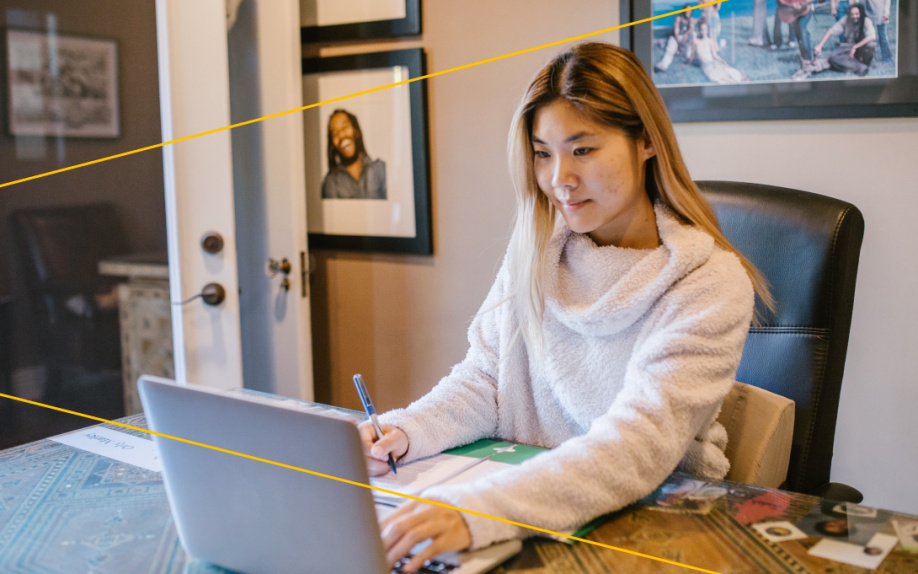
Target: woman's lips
[{"x": 571, "y": 205}]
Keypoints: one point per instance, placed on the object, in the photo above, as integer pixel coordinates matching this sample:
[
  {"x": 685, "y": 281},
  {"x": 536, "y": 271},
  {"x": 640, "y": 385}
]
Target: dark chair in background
[
  {"x": 807, "y": 246},
  {"x": 73, "y": 316},
  {"x": 6, "y": 359}
]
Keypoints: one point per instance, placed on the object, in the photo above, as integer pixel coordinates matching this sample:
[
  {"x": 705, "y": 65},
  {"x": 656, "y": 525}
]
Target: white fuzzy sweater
[{"x": 642, "y": 346}]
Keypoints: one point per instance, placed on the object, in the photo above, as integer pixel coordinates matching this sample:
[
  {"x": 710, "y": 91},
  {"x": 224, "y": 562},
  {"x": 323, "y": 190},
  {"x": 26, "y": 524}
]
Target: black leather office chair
[
  {"x": 59, "y": 249},
  {"x": 807, "y": 246},
  {"x": 6, "y": 360}
]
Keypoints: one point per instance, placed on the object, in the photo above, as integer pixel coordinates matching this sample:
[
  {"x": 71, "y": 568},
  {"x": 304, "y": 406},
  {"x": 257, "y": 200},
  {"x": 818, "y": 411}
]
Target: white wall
[
  {"x": 401, "y": 320},
  {"x": 874, "y": 165}
]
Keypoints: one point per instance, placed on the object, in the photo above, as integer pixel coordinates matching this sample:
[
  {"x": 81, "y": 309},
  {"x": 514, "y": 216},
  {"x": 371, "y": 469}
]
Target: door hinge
[{"x": 304, "y": 276}]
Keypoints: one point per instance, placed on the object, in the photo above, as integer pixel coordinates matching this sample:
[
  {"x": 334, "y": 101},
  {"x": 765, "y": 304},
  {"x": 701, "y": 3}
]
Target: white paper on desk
[
  {"x": 855, "y": 554},
  {"x": 420, "y": 474},
  {"x": 415, "y": 477},
  {"x": 110, "y": 443}
]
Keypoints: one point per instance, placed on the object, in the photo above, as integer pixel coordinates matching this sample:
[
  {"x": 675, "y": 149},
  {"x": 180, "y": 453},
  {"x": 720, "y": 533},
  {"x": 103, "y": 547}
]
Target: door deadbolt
[
  {"x": 283, "y": 266},
  {"x": 212, "y": 242},
  {"x": 274, "y": 267}
]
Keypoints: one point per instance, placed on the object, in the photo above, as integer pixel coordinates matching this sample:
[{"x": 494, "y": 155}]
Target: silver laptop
[{"x": 254, "y": 517}]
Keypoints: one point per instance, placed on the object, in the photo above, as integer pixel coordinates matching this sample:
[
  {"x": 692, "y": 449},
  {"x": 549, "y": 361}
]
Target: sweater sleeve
[
  {"x": 682, "y": 366},
  {"x": 462, "y": 407}
]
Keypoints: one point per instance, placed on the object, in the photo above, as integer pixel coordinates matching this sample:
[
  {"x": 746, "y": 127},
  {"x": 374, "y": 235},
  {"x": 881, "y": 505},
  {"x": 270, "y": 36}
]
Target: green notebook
[{"x": 488, "y": 447}]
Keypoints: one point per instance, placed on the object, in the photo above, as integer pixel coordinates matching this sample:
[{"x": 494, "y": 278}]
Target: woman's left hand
[{"x": 413, "y": 523}]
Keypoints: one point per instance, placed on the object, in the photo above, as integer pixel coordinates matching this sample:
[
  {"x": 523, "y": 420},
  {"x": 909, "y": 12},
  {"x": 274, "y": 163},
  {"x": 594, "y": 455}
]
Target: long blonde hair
[{"x": 609, "y": 86}]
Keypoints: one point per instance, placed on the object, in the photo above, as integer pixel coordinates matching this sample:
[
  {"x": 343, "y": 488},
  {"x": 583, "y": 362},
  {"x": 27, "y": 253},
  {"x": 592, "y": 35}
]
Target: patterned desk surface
[
  {"x": 67, "y": 510},
  {"x": 64, "y": 510}
]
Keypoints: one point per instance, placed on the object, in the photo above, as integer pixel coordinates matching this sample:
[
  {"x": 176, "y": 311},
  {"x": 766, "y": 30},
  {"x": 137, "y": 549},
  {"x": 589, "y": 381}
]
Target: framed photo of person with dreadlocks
[
  {"x": 366, "y": 153},
  {"x": 778, "y": 59}
]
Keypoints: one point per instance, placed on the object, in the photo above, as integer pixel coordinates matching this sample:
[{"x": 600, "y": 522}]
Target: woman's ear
[{"x": 647, "y": 149}]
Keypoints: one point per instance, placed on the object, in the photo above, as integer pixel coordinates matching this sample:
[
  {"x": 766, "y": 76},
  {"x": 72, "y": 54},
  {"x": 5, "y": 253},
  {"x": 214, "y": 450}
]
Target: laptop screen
[{"x": 252, "y": 516}]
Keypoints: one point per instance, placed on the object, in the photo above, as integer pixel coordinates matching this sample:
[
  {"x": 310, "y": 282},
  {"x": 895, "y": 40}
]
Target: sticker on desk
[
  {"x": 845, "y": 522},
  {"x": 687, "y": 497},
  {"x": 868, "y": 556},
  {"x": 110, "y": 443},
  {"x": 779, "y": 531}
]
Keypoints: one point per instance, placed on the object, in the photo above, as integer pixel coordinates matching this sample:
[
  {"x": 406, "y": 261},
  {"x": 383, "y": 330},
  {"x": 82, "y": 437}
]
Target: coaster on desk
[
  {"x": 779, "y": 531},
  {"x": 868, "y": 556}
]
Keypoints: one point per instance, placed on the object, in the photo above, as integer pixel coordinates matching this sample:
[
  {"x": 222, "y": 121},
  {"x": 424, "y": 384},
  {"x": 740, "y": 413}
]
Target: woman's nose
[{"x": 563, "y": 176}]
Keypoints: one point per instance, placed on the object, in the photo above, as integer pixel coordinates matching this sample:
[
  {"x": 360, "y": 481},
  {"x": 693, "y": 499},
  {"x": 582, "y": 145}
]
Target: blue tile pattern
[{"x": 65, "y": 510}]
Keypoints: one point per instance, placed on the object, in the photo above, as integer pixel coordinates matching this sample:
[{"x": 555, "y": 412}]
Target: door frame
[{"x": 200, "y": 192}]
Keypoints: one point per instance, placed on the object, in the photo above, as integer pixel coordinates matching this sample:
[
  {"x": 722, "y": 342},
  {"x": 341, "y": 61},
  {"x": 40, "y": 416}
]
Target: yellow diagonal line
[
  {"x": 354, "y": 95},
  {"x": 354, "y": 483}
]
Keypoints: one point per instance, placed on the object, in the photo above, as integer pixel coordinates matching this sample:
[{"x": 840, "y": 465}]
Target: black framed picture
[
  {"x": 336, "y": 21},
  {"x": 779, "y": 59},
  {"x": 366, "y": 157}
]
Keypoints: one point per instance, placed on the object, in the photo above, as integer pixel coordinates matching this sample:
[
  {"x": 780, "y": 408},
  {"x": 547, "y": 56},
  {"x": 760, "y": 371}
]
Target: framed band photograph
[
  {"x": 366, "y": 157},
  {"x": 779, "y": 59},
  {"x": 336, "y": 21},
  {"x": 59, "y": 85}
]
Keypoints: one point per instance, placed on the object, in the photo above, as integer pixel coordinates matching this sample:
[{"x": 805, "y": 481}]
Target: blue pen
[{"x": 371, "y": 412}]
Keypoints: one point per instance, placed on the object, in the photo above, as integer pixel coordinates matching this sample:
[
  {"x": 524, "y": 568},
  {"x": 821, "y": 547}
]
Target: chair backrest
[
  {"x": 61, "y": 246},
  {"x": 6, "y": 343},
  {"x": 760, "y": 430},
  {"x": 6, "y": 360},
  {"x": 807, "y": 246}
]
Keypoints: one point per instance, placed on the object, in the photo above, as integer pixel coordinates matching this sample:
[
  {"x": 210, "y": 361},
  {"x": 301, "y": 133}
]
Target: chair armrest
[
  {"x": 760, "y": 428},
  {"x": 838, "y": 491}
]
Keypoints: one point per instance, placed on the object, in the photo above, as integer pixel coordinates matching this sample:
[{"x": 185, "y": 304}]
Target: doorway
[{"x": 79, "y": 82}]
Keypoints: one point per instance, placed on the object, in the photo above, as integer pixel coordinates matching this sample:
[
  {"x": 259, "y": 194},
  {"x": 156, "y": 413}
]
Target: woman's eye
[
  {"x": 582, "y": 151},
  {"x": 541, "y": 154}
]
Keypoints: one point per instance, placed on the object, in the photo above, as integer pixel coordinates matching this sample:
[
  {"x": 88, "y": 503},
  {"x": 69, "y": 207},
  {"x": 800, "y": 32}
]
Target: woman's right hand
[{"x": 394, "y": 441}]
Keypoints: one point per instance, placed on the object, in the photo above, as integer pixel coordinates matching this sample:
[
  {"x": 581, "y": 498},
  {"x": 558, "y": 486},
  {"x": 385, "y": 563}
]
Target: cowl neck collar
[{"x": 600, "y": 291}]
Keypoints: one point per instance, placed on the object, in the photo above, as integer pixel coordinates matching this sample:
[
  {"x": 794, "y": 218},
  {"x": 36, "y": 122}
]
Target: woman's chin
[{"x": 579, "y": 226}]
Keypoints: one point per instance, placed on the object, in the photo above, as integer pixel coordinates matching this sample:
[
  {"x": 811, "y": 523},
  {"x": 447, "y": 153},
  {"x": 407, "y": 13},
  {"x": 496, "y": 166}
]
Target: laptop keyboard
[{"x": 431, "y": 567}]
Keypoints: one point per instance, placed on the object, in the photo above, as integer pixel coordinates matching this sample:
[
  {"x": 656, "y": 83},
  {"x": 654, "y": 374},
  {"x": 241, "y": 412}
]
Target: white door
[{"x": 247, "y": 185}]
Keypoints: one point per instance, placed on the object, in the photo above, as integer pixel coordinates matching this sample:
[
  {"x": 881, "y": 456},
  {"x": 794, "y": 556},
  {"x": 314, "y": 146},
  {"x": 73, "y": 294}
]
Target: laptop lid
[{"x": 255, "y": 517}]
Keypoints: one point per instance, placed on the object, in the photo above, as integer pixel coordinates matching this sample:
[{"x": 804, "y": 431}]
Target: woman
[
  {"x": 611, "y": 333},
  {"x": 714, "y": 67}
]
